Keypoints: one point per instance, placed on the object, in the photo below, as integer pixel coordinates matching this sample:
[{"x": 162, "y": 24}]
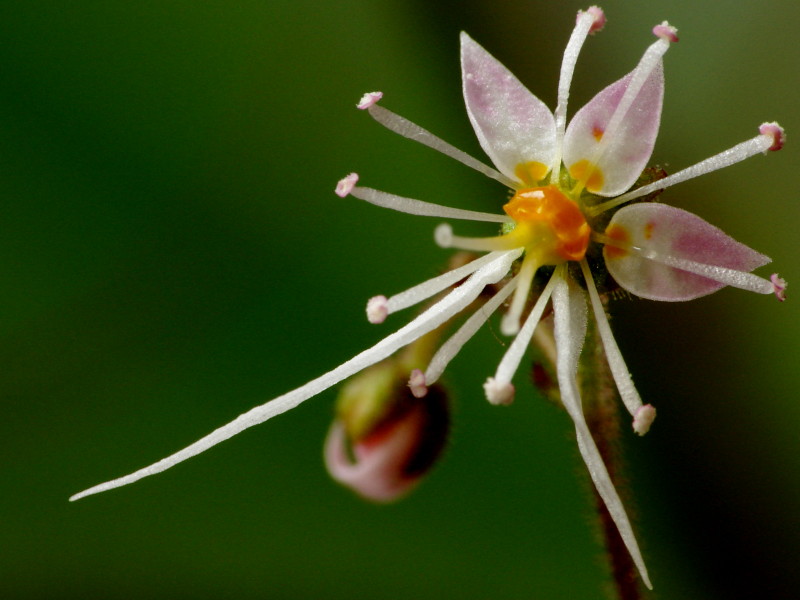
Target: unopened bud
[{"x": 385, "y": 439}]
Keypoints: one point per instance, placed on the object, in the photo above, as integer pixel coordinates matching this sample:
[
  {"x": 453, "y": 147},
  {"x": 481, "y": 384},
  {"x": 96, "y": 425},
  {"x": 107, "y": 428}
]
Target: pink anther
[
  {"x": 666, "y": 32},
  {"x": 499, "y": 392},
  {"x": 369, "y": 99},
  {"x": 416, "y": 383},
  {"x": 643, "y": 419},
  {"x": 777, "y": 134},
  {"x": 599, "y": 18},
  {"x": 346, "y": 185},
  {"x": 779, "y": 286},
  {"x": 377, "y": 309}
]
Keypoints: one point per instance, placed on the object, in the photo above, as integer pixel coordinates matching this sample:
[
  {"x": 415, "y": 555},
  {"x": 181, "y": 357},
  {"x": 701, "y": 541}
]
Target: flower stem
[{"x": 602, "y": 415}]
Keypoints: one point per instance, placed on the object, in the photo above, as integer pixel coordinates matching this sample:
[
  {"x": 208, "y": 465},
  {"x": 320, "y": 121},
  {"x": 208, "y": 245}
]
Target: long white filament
[
  {"x": 510, "y": 323},
  {"x": 731, "y": 156},
  {"x": 422, "y": 208},
  {"x": 649, "y": 61},
  {"x": 569, "y": 305},
  {"x": 453, "y": 345},
  {"x": 431, "y": 287},
  {"x": 731, "y": 277},
  {"x": 432, "y": 318},
  {"x": 513, "y": 356},
  {"x": 407, "y": 129},
  {"x": 619, "y": 370},
  {"x": 573, "y": 49},
  {"x": 443, "y": 234}
]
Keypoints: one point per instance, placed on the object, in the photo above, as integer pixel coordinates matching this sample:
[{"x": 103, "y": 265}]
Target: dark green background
[{"x": 172, "y": 254}]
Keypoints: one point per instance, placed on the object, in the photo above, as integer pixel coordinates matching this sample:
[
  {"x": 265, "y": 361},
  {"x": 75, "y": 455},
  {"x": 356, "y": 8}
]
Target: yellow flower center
[
  {"x": 549, "y": 225},
  {"x": 587, "y": 175}
]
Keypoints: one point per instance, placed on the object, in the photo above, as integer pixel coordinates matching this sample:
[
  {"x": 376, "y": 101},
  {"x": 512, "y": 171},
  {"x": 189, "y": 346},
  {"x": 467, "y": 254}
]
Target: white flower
[{"x": 563, "y": 179}]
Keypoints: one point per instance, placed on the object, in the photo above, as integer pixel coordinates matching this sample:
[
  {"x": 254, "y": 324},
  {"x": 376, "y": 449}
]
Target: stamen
[
  {"x": 619, "y": 370},
  {"x": 732, "y": 277},
  {"x": 443, "y": 235},
  {"x": 453, "y": 345},
  {"x": 377, "y": 309},
  {"x": 587, "y": 22},
  {"x": 369, "y": 99},
  {"x": 771, "y": 138},
  {"x": 407, "y": 129},
  {"x": 510, "y": 323},
  {"x": 417, "y": 207},
  {"x": 431, "y": 287},
  {"x": 643, "y": 419},
  {"x": 432, "y": 318},
  {"x": 666, "y": 32},
  {"x": 649, "y": 61},
  {"x": 570, "y": 331},
  {"x": 499, "y": 394},
  {"x": 777, "y": 133},
  {"x": 599, "y": 18},
  {"x": 417, "y": 384},
  {"x": 513, "y": 356},
  {"x": 346, "y": 185},
  {"x": 779, "y": 286}
]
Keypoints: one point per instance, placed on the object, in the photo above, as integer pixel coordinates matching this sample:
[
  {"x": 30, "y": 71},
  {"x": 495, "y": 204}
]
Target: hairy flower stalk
[
  {"x": 603, "y": 418},
  {"x": 572, "y": 229}
]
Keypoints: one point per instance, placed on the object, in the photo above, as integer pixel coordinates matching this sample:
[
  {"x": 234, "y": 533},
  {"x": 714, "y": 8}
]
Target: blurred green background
[{"x": 172, "y": 254}]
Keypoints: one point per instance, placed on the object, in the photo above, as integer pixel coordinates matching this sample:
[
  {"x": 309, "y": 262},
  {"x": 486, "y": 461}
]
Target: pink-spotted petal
[
  {"x": 658, "y": 235},
  {"x": 619, "y": 157},
  {"x": 513, "y": 126}
]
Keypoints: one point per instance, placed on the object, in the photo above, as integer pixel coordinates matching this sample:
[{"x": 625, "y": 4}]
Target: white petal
[
  {"x": 619, "y": 153},
  {"x": 513, "y": 126},
  {"x": 569, "y": 305},
  {"x": 619, "y": 370},
  {"x": 432, "y": 318},
  {"x": 671, "y": 255}
]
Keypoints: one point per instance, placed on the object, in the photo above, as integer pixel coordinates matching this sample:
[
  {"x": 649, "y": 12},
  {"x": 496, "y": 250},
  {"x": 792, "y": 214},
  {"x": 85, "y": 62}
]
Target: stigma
[{"x": 549, "y": 224}]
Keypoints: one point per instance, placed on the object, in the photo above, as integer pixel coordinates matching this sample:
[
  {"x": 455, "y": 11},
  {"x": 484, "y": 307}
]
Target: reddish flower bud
[{"x": 383, "y": 443}]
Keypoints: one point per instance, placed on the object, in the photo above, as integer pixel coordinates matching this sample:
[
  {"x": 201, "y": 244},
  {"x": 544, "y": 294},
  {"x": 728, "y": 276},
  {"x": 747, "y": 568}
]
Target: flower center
[{"x": 549, "y": 224}]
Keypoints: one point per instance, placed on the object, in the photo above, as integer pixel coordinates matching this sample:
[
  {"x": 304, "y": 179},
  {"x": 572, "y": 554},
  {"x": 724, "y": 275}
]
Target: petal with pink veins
[
  {"x": 653, "y": 239},
  {"x": 616, "y": 157},
  {"x": 513, "y": 126}
]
